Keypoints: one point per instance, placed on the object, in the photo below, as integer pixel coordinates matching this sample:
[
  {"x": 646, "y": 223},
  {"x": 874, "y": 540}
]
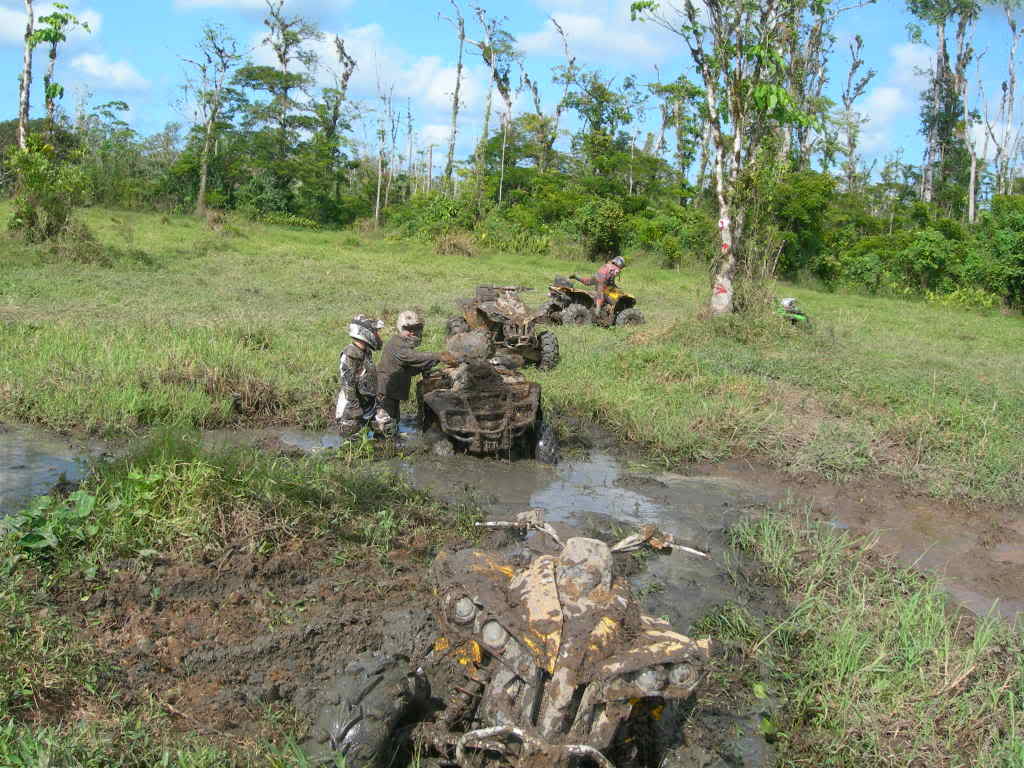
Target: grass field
[{"x": 184, "y": 325}]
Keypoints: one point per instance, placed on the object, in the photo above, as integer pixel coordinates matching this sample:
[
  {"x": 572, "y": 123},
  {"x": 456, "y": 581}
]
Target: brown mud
[
  {"x": 977, "y": 548},
  {"x": 220, "y": 644}
]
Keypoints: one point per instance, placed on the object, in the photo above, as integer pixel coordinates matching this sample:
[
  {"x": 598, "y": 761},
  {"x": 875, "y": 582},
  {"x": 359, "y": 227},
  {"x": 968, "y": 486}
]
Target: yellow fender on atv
[{"x": 570, "y": 304}]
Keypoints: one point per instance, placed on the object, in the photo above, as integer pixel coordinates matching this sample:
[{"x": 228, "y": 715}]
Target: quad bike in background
[
  {"x": 788, "y": 309},
  {"x": 539, "y": 660},
  {"x": 569, "y": 304},
  {"x": 511, "y": 326},
  {"x": 481, "y": 403}
]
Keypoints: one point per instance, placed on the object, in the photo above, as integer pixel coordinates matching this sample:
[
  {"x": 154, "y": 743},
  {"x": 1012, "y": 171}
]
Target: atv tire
[
  {"x": 371, "y": 698},
  {"x": 455, "y": 325},
  {"x": 442, "y": 448},
  {"x": 549, "y": 355},
  {"x": 577, "y": 314},
  {"x": 629, "y": 317}
]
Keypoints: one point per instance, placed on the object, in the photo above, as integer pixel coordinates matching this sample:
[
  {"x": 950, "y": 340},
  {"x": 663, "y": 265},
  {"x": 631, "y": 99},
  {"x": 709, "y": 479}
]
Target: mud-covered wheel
[
  {"x": 577, "y": 314},
  {"x": 629, "y": 317},
  {"x": 363, "y": 709},
  {"x": 455, "y": 325},
  {"x": 442, "y": 447},
  {"x": 549, "y": 355}
]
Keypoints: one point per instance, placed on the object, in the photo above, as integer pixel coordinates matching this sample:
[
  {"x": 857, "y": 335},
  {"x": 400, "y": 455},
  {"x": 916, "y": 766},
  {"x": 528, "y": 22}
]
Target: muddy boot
[{"x": 362, "y": 709}]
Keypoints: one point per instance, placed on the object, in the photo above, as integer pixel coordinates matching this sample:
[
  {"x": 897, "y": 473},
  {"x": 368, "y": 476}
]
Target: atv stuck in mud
[
  {"x": 569, "y": 304},
  {"x": 539, "y": 660},
  {"x": 499, "y": 312},
  {"x": 482, "y": 404}
]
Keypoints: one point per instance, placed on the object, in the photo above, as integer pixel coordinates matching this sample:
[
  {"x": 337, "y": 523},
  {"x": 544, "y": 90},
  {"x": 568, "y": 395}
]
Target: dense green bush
[
  {"x": 431, "y": 215},
  {"x": 995, "y": 260},
  {"x": 601, "y": 226},
  {"x": 49, "y": 190},
  {"x": 676, "y": 235}
]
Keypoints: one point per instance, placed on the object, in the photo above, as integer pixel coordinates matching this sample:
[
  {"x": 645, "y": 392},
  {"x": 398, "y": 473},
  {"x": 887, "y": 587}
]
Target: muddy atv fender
[{"x": 364, "y": 708}]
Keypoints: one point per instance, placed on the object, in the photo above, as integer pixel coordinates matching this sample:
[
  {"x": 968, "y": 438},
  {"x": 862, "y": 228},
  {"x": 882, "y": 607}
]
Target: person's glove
[{"x": 448, "y": 358}]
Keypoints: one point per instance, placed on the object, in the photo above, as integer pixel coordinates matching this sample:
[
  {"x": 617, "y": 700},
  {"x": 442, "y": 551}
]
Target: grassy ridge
[
  {"x": 870, "y": 667},
  {"x": 213, "y": 328}
]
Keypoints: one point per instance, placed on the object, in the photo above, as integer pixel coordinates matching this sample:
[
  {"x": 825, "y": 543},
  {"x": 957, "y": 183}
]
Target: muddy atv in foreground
[
  {"x": 499, "y": 312},
  {"x": 570, "y": 304},
  {"x": 483, "y": 405},
  {"x": 540, "y": 660}
]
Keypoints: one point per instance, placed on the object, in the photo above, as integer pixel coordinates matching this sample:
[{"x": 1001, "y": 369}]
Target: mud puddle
[
  {"x": 977, "y": 548},
  {"x": 600, "y": 496},
  {"x": 33, "y": 461}
]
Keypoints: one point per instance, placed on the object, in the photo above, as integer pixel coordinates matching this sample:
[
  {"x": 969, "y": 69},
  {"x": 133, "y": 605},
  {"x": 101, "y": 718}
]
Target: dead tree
[
  {"x": 853, "y": 90},
  {"x": 218, "y": 54},
  {"x": 460, "y": 28},
  {"x": 26, "y": 78}
]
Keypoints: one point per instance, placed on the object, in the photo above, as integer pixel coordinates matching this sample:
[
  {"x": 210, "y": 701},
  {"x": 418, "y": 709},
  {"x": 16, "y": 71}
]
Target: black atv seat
[{"x": 565, "y": 282}]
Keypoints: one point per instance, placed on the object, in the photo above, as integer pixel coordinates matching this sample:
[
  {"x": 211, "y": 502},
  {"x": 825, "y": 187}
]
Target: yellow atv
[{"x": 570, "y": 304}]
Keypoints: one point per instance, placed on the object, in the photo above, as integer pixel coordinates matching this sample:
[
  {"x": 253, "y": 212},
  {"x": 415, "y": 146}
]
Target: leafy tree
[
  {"x": 217, "y": 57},
  {"x": 736, "y": 47},
  {"x": 54, "y": 31}
]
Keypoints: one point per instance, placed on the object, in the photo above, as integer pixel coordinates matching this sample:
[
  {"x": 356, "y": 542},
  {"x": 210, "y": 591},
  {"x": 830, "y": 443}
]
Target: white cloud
[
  {"x": 427, "y": 80},
  {"x": 12, "y": 24},
  {"x": 593, "y": 35},
  {"x": 118, "y": 75},
  {"x": 260, "y": 6},
  {"x": 886, "y": 105},
  {"x": 911, "y": 64}
]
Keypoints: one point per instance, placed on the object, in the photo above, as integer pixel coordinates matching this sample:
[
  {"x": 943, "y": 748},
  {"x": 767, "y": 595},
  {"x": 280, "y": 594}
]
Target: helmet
[
  {"x": 365, "y": 329},
  {"x": 788, "y": 304},
  {"x": 619, "y": 262},
  {"x": 408, "y": 319}
]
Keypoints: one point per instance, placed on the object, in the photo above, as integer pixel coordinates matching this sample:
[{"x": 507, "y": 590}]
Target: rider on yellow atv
[{"x": 603, "y": 280}]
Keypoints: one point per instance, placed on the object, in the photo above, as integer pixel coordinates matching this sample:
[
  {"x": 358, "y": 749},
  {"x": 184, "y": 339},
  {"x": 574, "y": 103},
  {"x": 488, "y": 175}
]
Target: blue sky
[{"x": 133, "y": 54}]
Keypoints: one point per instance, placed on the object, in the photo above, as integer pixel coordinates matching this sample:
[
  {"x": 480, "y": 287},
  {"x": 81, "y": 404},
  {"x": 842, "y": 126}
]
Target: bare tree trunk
[
  {"x": 504, "y": 143},
  {"x": 380, "y": 168},
  {"x": 204, "y": 166},
  {"x": 26, "y": 78},
  {"x": 51, "y": 103},
  {"x": 1011, "y": 88},
  {"x": 430, "y": 167},
  {"x": 481, "y": 149},
  {"x": 460, "y": 26},
  {"x": 722, "y": 288}
]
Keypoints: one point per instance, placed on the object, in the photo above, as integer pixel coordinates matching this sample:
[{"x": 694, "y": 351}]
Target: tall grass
[
  {"x": 218, "y": 329},
  {"x": 872, "y": 665}
]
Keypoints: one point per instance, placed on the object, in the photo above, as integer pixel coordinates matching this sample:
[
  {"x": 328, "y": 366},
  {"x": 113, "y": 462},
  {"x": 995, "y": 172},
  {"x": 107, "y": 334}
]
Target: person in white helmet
[
  {"x": 603, "y": 280},
  {"x": 358, "y": 393},
  {"x": 399, "y": 363}
]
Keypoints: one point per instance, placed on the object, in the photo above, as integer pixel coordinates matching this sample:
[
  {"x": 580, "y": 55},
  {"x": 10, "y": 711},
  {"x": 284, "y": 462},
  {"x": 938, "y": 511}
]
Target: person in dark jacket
[
  {"x": 357, "y": 376},
  {"x": 399, "y": 363}
]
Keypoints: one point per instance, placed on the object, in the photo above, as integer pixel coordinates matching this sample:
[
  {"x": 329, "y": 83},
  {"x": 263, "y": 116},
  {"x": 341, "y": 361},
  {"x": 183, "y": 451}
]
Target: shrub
[
  {"x": 283, "y": 219},
  {"x": 601, "y": 226},
  {"x": 965, "y": 298},
  {"x": 431, "y": 215},
  {"x": 48, "y": 191},
  {"x": 455, "y": 243}
]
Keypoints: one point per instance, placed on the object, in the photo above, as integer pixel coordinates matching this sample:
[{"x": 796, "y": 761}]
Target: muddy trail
[{"x": 218, "y": 644}]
